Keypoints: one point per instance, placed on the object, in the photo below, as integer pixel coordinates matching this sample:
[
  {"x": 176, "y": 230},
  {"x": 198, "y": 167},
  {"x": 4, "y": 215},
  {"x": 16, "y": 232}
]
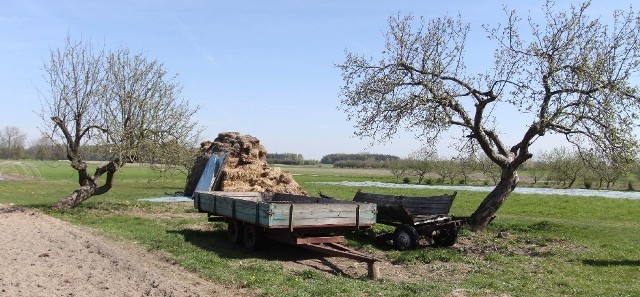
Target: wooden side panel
[
  {"x": 224, "y": 206},
  {"x": 428, "y": 205},
  {"x": 379, "y": 199},
  {"x": 203, "y": 202},
  {"x": 389, "y": 210},
  {"x": 252, "y": 212},
  {"x": 394, "y": 214},
  {"x": 196, "y": 202},
  {"x": 224, "y": 203},
  {"x": 254, "y": 208},
  {"x": 401, "y": 209},
  {"x": 313, "y": 214}
]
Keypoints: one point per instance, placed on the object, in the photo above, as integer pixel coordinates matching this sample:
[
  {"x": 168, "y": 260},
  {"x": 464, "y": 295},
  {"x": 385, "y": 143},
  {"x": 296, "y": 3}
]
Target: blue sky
[{"x": 264, "y": 68}]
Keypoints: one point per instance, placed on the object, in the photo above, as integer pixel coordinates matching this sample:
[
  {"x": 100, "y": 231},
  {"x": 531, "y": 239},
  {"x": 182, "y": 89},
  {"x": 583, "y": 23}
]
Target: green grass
[{"x": 556, "y": 245}]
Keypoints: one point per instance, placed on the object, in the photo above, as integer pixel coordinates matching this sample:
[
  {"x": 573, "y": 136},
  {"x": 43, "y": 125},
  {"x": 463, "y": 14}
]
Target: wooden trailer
[
  {"x": 417, "y": 219},
  {"x": 309, "y": 222}
]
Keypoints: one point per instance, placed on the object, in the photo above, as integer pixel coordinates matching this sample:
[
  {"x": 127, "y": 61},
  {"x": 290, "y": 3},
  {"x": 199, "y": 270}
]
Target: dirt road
[{"x": 43, "y": 256}]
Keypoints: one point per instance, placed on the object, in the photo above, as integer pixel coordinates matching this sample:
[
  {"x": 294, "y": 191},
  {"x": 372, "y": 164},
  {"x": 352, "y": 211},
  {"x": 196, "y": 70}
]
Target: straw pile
[{"x": 245, "y": 167}]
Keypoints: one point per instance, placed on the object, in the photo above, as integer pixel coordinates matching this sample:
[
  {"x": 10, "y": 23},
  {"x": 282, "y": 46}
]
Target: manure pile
[{"x": 245, "y": 168}]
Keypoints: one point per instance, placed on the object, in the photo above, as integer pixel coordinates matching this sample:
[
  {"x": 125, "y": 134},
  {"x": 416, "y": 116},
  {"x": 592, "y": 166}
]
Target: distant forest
[
  {"x": 362, "y": 160},
  {"x": 289, "y": 159},
  {"x": 333, "y": 158}
]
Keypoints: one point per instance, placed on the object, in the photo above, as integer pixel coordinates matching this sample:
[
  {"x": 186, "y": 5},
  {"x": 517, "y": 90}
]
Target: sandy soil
[{"x": 43, "y": 256}]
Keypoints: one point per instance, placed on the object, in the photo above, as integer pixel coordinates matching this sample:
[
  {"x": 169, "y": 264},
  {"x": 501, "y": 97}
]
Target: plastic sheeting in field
[
  {"x": 168, "y": 199},
  {"x": 522, "y": 190}
]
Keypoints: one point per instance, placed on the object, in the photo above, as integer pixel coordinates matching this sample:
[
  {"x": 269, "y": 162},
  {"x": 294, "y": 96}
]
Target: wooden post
[{"x": 373, "y": 270}]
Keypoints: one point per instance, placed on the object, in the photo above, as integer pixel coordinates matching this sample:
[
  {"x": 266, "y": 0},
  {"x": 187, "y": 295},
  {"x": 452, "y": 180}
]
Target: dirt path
[{"x": 43, "y": 256}]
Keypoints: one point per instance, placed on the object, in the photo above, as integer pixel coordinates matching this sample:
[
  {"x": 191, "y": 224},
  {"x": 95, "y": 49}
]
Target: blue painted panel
[{"x": 211, "y": 170}]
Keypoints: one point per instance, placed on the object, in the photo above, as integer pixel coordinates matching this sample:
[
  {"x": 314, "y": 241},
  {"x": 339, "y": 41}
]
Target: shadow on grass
[
  {"x": 604, "y": 263},
  {"x": 216, "y": 242},
  {"x": 380, "y": 240},
  {"x": 40, "y": 206}
]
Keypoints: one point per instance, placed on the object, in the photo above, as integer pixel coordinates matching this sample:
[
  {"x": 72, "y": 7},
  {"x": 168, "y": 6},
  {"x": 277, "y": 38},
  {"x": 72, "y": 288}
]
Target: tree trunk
[
  {"x": 78, "y": 196},
  {"x": 490, "y": 205},
  {"x": 89, "y": 186}
]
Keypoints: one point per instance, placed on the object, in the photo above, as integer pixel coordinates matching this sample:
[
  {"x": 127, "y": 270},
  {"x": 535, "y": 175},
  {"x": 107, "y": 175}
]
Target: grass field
[{"x": 557, "y": 245}]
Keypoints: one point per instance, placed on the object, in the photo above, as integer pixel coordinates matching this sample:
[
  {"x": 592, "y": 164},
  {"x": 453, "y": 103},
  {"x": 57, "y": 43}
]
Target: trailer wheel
[
  {"x": 253, "y": 237},
  {"x": 405, "y": 237},
  {"x": 235, "y": 231},
  {"x": 446, "y": 238}
]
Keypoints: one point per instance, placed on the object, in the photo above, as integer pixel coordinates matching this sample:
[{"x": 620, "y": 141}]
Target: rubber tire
[
  {"x": 405, "y": 237},
  {"x": 446, "y": 238},
  {"x": 235, "y": 231},
  {"x": 253, "y": 237}
]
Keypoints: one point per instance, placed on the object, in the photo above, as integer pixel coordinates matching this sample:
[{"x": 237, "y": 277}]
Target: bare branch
[{"x": 572, "y": 74}]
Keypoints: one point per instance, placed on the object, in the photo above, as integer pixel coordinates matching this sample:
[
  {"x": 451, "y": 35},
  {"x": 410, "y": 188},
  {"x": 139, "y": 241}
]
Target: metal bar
[
  {"x": 215, "y": 218},
  {"x": 335, "y": 249},
  {"x": 320, "y": 239},
  {"x": 320, "y": 228},
  {"x": 289, "y": 238},
  {"x": 358, "y": 217},
  {"x": 291, "y": 217}
]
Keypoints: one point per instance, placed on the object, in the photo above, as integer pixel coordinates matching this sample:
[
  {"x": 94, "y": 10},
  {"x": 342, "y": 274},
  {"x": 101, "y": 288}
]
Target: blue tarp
[
  {"x": 205, "y": 183},
  {"x": 211, "y": 170}
]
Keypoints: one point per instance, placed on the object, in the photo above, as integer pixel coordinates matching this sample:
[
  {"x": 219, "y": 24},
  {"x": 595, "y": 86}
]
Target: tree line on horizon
[
  {"x": 559, "y": 167},
  {"x": 340, "y": 160},
  {"x": 13, "y": 145}
]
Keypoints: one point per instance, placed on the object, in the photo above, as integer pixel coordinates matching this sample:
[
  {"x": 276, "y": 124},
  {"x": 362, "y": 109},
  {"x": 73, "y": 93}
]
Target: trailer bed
[
  {"x": 309, "y": 222},
  {"x": 285, "y": 211},
  {"x": 417, "y": 219},
  {"x": 398, "y": 210}
]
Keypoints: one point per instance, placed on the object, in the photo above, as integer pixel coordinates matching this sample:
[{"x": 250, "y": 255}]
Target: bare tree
[
  {"x": 422, "y": 161},
  {"x": 565, "y": 166},
  {"x": 569, "y": 75},
  {"x": 446, "y": 168},
  {"x": 536, "y": 170},
  {"x": 12, "y": 141},
  {"x": 490, "y": 169},
  {"x": 467, "y": 165},
  {"x": 608, "y": 169},
  {"x": 398, "y": 168},
  {"x": 121, "y": 103}
]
